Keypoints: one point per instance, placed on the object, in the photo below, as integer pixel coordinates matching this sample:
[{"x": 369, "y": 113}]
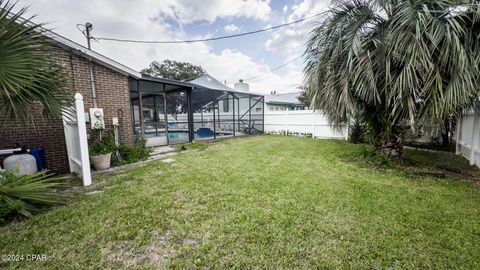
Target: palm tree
[
  {"x": 398, "y": 62},
  {"x": 28, "y": 77}
]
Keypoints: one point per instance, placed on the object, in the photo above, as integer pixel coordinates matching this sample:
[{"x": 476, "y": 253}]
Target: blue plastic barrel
[{"x": 39, "y": 155}]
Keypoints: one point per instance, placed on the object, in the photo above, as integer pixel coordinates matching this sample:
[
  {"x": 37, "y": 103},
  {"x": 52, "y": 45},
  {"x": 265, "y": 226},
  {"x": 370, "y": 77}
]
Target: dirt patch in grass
[
  {"x": 439, "y": 164},
  {"x": 155, "y": 173},
  {"x": 419, "y": 163},
  {"x": 216, "y": 146},
  {"x": 168, "y": 160},
  {"x": 158, "y": 252}
]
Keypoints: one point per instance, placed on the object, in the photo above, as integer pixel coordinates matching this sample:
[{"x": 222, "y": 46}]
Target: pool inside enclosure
[{"x": 169, "y": 112}]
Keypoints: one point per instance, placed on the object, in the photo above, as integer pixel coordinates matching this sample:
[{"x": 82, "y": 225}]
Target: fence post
[
  {"x": 82, "y": 136},
  {"x": 458, "y": 135},
  {"x": 313, "y": 124},
  {"x": 475, "y": 135},
  {"x": 347, "y": 129}
]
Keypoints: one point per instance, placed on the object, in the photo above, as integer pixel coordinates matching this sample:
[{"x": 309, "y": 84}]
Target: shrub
[
  {"x": 358, "y": 131},
  {"x": 140, "y": 142},
  {"x": 132, "y": 153},
  {"x": 101, "y": 142},
  {"x": 376, "y": 158},
  {"x": 23, "y": 195}
]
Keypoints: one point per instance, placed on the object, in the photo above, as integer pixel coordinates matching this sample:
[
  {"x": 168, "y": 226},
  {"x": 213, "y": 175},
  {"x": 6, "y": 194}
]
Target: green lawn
[{"x": 260, "y": 202}]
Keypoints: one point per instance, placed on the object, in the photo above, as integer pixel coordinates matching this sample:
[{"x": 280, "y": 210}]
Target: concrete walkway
[{"x": 157, "y": 153}]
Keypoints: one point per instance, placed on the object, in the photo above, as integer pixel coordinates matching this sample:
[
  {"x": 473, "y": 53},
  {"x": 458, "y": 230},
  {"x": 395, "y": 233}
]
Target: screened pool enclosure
[{"x": 170, "y": 112}]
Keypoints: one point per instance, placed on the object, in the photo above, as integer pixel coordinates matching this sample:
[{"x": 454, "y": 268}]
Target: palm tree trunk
[
  {"x": 392, "y": 144},
  {"x": 446, "y": 133}
]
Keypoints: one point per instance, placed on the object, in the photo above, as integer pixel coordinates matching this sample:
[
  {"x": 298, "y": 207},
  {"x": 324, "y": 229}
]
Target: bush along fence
[
  {"x": 306, "y": 123},
  {"x": 289, "y": 133},
  {"x": 468, "y": 137}
]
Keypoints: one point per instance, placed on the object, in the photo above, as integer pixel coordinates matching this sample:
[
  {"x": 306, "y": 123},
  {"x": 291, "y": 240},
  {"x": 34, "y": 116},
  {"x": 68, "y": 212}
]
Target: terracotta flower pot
[{"x": 101, "y": 162}]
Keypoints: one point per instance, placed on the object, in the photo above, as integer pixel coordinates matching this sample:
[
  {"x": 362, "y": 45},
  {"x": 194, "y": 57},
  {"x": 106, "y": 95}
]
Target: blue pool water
[{"x": 182, "y": 136}]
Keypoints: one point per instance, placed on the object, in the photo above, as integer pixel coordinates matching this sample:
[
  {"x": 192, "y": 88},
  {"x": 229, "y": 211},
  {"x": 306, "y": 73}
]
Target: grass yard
[{"x": 260, "y": 202}]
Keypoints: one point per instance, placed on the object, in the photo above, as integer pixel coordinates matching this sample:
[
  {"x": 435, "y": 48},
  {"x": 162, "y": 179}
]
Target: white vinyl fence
[
  {"x": 76, "y": 140},
  {"x": 468, "y": 137},
  {"x": 304, "y": 123}
]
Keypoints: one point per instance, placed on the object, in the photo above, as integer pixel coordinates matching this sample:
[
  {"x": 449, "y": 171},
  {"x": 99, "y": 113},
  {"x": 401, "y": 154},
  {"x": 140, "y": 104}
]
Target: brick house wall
[
  {"x": 46, "y": 133},
  {"x": 112, "y": 95},
  {"x": 111, "y": 90}
]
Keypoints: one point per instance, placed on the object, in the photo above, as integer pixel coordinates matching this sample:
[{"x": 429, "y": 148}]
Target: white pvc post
[
  {"x": 477, "y": 146},
  {"x": 313, "y": 124},
  {"x": 458, "y": 135},
  {"x": 475, "y": 138},
  {"x": 82, "y": 136},
  {"x": 347, "y": 129}
]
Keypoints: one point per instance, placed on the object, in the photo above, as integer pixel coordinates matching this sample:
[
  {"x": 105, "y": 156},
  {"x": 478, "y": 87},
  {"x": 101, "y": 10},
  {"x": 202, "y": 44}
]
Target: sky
[{"x": 250, "y": 57}]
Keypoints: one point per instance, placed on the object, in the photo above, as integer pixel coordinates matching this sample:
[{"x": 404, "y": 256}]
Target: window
[{"x": 147, "y": 114}]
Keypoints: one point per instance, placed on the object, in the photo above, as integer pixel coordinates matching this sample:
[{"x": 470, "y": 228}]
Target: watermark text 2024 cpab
[{"x": 23, "y": 257}]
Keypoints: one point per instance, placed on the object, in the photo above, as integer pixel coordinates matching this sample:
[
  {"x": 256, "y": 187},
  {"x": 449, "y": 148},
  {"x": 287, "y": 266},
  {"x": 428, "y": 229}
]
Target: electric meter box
[{"x": 97, "y": 119}]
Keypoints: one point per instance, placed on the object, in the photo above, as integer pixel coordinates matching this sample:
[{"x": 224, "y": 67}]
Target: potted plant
[{"x": 101, "y": 148}]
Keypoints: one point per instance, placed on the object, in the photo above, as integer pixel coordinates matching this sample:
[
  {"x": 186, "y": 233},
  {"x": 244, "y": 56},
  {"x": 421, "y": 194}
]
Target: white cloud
[
  {"x": 235, "y": 65},
  {"x": 287, "y": 40},
  {"x": 189, "y": 11},
  {"x": 285, "y": 9},
  {"x": 292, "y": 38},
  {"x": 141, "y": 20},
  {"x": 231, "y": 28}
]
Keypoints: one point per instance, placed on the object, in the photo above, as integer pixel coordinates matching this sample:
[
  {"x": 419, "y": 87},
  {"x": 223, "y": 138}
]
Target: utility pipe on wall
[
  {"x": 88, "y": 28},
  {"x": 92, "y": 81}
]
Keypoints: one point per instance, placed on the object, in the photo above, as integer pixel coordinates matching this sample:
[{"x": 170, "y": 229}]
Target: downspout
[
  {"x": 92, "y": 81},
  {"x": 72, "y": 70},
  {"x": 88, "y": 28}
]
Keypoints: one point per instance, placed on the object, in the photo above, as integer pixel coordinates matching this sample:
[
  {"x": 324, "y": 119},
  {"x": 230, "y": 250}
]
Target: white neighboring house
[
  {"x": 210, "y": 82},
  {"x": 284, "y": 102}
]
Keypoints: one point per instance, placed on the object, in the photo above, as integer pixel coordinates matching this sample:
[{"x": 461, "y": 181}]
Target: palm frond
[
  {"x": 28, "y": 75},
  {"x": 25, "y": 194},
  {"x": 397, "y": 61}
]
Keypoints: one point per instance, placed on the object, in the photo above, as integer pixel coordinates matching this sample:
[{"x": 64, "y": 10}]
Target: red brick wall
[
  {"x": 47, "y": 134},
  {"x": 111, "y": 90},
  {"x": 112, "y": 96}
]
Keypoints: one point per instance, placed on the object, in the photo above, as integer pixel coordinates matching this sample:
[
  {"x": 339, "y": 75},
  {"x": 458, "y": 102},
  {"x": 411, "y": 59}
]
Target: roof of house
[
  {"x": 90, "y": 54},
  {"x": 287, "y": 98},
  {"x": 210, "y": 82},
  {"x": 207, "y": 81},
  {"x": 146, "y": 77}
]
